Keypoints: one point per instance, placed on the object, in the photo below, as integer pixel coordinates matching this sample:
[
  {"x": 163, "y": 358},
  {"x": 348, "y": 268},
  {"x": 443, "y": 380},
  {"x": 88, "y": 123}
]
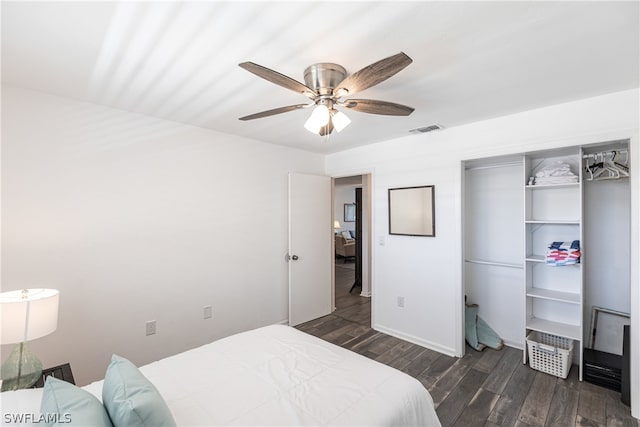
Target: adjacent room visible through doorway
[{"x": 352, "y": 250}]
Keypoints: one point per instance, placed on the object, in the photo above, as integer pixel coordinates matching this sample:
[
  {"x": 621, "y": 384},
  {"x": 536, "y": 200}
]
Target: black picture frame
[
  {"x": 412, "y": 211},
  {"x": 349, "y": 212}
]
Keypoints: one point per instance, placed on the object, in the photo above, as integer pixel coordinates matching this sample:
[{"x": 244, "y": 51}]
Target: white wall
[
  {"x": 135, "y": 219},
  {"x": 343, "y": 194},
  {"x": 427, "y": 271}
]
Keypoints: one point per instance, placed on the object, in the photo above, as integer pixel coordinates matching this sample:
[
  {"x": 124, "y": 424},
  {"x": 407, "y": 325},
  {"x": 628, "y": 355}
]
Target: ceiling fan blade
[
  {"x": 279, "y": 79},
  {"x": 274, "y": 111},
  {"x": 372, "y": 106},
  {"x": 372, "y": 74}
]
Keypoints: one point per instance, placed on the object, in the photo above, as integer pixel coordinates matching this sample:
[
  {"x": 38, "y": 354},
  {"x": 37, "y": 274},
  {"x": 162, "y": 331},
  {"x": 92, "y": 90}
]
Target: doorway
[{"x": 352, "y": 258}]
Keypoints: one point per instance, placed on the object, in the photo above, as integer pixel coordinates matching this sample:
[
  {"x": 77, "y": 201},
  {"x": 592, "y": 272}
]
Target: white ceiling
[{"x": 178, "y": 60}]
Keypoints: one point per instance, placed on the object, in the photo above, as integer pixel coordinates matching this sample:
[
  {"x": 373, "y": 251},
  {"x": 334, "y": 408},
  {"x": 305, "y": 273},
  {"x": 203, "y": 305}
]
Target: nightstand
[{"x": 62, "y": 372}]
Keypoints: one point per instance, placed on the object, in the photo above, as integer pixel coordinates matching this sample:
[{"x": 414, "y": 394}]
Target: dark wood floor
[{"x": 489, "y": 388}]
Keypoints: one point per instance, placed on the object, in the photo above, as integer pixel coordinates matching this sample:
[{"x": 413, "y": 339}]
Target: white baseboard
[
  {"x": 415, "y": 340},
  {"x": 283, "y": 322},
  {"x": 513, "y": 344}
]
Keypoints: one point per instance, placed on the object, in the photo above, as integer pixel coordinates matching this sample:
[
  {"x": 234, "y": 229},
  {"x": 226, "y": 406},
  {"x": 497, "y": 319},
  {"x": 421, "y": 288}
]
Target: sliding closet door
[{"x": 493, "y": 244}]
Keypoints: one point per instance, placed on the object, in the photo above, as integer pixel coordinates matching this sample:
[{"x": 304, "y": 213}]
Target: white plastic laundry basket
[{"x": 550, "y": 353}]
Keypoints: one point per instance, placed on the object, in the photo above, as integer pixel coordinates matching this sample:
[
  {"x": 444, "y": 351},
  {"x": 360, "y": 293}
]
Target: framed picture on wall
[
  {"x": 349, "y": 212},
  {"x": 412, "y": 211}
]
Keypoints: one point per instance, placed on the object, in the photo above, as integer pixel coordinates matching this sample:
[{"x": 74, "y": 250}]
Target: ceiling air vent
[{"x": 426, "y": 129}]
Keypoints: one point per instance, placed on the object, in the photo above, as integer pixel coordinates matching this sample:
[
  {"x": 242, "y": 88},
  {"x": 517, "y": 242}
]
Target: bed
[{"x": 275, "y": 375}]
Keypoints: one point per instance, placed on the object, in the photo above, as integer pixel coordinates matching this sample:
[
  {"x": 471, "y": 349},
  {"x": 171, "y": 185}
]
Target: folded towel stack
[
  {"x": 557, "y": 173},
  {"x": 563, "y": 253}
]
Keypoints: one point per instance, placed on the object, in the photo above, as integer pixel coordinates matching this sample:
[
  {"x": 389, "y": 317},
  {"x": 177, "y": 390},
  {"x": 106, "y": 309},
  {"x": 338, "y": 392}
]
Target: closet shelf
[
  {"x": 553, "y": 293},
  {"x": 542, "y": 259},
  {"x": 552, "y": 186},
  {"x": 568, "y": 297},
  {"x": 554, "y": 328},
  {"x": 553, "y": 221},
  {"x": 494, "y": 263}
]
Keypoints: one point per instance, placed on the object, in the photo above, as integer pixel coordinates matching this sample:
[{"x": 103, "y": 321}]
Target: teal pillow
[
  {"x": 470, "y": 331},
  {"x": 64, "y": 404},
  {"x": 488, "y": 336},
  {"x": 130, "y": 398}
]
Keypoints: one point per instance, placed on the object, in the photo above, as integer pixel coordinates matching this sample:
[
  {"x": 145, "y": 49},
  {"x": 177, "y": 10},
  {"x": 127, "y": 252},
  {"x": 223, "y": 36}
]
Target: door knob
[{"x": 288, "y": 257}]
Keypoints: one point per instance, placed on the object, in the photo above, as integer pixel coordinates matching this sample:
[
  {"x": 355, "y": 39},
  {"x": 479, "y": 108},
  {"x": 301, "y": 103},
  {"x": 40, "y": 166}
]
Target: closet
[
  {"x": 493, "y": 243},
  {"x": 546, "y": 237},
  {"x": 553, "y": 236},
  {"x": 607, "y": 221}
]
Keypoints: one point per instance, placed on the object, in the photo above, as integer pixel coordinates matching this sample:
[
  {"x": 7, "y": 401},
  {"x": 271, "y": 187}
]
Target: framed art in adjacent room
[
  {"x": 349, "y": 212},
  {"x": 412, "y": 211}
]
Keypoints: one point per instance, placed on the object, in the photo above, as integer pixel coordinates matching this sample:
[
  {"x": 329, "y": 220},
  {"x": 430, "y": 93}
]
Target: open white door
[{"x": 310, "y": 246}]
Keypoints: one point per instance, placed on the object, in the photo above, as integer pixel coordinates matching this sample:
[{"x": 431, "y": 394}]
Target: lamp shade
[
  {"x": 318, "y": 119},
  {"x": 336, "y": 224},
  {"x": 339, "y": 120},
  {"x": 28, "y": 314}
]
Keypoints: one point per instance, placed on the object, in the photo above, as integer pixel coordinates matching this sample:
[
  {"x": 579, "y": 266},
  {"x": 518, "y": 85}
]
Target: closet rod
[
  {"x": 604, "y": 153},
  {"x": 496, "y": 165},
  {"x": 497, "y": 264}
]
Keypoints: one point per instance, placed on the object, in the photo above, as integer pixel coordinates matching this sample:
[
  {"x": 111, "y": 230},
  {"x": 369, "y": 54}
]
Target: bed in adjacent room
[{"x": 275, "y": 375}]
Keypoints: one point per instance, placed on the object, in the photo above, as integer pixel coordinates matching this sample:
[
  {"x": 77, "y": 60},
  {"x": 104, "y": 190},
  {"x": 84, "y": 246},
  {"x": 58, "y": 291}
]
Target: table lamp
[
  {"x": 336, "y": 225},
  {"x": 25, "y": 315}
]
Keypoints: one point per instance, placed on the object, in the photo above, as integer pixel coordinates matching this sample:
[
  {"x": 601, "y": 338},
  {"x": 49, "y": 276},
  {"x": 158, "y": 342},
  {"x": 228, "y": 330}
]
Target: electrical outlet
[
  {"x": 151, "y": 327},
  {"x": 401, "y": 302},
  {"x": 207, "y": 312}
]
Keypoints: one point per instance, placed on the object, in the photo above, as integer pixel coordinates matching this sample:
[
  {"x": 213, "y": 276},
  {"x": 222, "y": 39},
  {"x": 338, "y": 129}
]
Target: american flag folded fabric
[{"x": 563, "y": 253}]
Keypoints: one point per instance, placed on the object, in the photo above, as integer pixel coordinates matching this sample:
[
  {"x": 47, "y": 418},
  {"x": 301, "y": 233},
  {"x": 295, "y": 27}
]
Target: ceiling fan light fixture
[
  {"x": 318, "y": 119},
  {"x": 339, "y": 119},
  {"x": 326, "y": 83}
]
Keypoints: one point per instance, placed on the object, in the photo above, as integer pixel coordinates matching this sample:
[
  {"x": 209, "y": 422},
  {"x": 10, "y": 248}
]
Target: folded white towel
[
  {"x": 556, "y": 180},
  {"x": 559, "y": 168}
]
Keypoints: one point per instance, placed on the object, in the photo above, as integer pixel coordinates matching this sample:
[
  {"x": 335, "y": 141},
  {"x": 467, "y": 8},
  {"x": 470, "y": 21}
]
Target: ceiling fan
[{"x": 325, "y": 85}]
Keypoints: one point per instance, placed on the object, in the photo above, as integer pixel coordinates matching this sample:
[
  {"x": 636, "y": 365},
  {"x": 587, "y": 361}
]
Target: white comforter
[{"x": 277, "y": 375}]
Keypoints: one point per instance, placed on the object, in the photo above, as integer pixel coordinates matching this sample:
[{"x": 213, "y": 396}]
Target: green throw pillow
[
  {"x": 470, "y": 331},
  {"x": 488, "y": 336},
  {"x": 64, "y": 404},
  {"x": 130, "y": 398}
]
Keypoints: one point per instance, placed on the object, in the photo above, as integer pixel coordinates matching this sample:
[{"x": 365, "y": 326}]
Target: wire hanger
[{"x": 604, "y": 165}]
